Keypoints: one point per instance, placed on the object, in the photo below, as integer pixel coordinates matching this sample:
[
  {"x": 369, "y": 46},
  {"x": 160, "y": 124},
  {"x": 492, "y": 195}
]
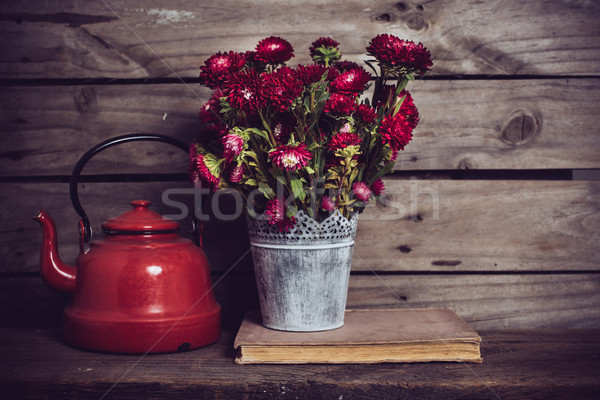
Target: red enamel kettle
[{"x": 140, "y": 289}]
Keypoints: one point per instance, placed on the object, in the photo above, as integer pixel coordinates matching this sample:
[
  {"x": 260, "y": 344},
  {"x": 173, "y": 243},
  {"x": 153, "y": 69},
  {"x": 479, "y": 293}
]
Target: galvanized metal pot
[{"x": 302, "y": 275}]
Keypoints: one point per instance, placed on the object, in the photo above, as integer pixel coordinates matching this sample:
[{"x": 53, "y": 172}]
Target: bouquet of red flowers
[{"x": 302, "y": 138}]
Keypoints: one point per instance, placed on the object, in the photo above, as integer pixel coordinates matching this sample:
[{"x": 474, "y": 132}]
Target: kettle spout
[{"x": 55, "y": 273}]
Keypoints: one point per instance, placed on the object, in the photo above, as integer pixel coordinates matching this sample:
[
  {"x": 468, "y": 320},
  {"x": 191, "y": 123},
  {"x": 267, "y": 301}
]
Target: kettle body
[{"x": 140, "y": 289}]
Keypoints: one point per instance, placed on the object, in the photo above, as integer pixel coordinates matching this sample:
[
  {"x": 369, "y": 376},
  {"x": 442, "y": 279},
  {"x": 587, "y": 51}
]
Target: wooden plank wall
[{"x": 482, "y": 214}]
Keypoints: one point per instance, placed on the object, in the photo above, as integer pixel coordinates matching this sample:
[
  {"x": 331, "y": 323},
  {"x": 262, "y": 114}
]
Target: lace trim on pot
[{"x": 335, "y": 229}]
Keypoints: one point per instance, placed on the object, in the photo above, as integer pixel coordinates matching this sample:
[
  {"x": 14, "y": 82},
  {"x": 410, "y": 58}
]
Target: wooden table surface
[{"x": 518, "y": 364}]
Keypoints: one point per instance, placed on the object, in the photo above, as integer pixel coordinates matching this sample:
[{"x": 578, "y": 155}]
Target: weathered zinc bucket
[{"x": 302, "y": 275}]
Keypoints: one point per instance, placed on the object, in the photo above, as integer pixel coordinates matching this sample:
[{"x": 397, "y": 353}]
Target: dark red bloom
[
  {"x": 408, "y": 108},
  {"x": 281, "y": 88},
  {"x": 395, "y": 131},
  {"x": 378, "y": 187},
  {"x": 199, "y": 171},
  {"x": 233, "y": 146},
  {"x": 275, "y": 212},
  {"x": 328, "y": 204},
  {"x": 340, "y": 104},
  {"x": 274, "y": 50},
  {"x": 361, "y": 191},
  {"x": 250, "y": 56},
  {"x": 209, "y": 113},
  {"x": 237, "y": 173},
  {"x": 192, "y": 170},
  {"x": 246, "y": 91},
  {"x": 282, "y": 126},
  {"x": 365, "y": 114},
  {"x": 344, "y": 66},
  {"x": 322, "y": 42},
  {"x": 290, "y": 157},
  {"x": 343, "y": 140},
  {"x": 312, "y": 73},
  {"x": 396, "y": 52},
  {"x": 218, "y": 68},
  {"x": 351, "y": 82}
]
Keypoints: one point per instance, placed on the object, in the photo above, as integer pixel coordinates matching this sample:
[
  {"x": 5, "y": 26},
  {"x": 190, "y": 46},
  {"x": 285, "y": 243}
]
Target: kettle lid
[{"x": 140, "y": 220}]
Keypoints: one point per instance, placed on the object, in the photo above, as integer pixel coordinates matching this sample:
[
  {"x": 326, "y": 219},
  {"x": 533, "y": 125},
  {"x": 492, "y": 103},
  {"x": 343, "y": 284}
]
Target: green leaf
[
  {"x": 213, "y": 164},
  {"x": 266, "y": 190},
  {"x": 291, "y": 211},
  {"x": 298, "y": 189},
  {"x": 309, "y": 170},
  {"x": 387, "y": 168},
  {"x": 251, "y": 182},
  {"x": 258, "y": 132},
  {"x": 398, "y": 105}
]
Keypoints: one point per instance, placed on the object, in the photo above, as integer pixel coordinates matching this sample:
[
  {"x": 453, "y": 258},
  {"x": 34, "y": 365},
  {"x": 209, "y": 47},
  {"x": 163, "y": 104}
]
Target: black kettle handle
[{"x": 85, "y": 230}]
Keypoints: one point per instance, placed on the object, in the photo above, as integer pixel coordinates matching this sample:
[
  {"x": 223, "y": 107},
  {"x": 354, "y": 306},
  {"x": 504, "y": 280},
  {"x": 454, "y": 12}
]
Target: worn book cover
[{"x": 368, "y": 336}]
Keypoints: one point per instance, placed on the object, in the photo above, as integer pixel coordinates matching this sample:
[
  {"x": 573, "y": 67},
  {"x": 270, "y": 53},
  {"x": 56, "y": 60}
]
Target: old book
[{"x": 368, "y": 336}]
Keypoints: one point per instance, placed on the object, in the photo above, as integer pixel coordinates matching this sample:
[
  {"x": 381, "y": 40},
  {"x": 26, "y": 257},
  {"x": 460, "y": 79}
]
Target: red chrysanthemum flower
[
  {"x": 275, "y": 212},
  {"x": 328, "y": 204},
  {"x": 394, "y": 156},
  {"x": 351, "y": 82},
  {"x": 322, "y": 42},
  {"x": 274, "y": 50},
  {"x": 209, "y": 113},
  {"x": 205, "y": 173},
  {"x": 250, "y": 56},
  {"x": 290, "y": 157},
  {"x": 365, "y": 114},
  {"x": 218, "y": 68},
  {"x": 192, "y": 170},
  {"x": 282, "y": 126},
  {"x": 199, "y": 171},
  {"x": 237, "y": 173},
  {"x": 344, "y": 66},
  {"x": 398, "y": 53},
  {"x": 343, "y": 140},
  {"x": 361, "y": 191},
  {"x": 233, "y": 145},
  {"x": 312, "y": 73},
  {"x": 395, "y": 131},
  {"x": 246, "y": 91},
  {"x": 281, "y": 88},
  {"x": 408, "y": 108},
  {"x": 339, "y": 104},
  {"x": 378, "y": 187}
]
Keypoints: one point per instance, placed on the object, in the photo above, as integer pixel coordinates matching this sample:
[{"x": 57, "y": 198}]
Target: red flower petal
[{"x": 274, "y": 50}]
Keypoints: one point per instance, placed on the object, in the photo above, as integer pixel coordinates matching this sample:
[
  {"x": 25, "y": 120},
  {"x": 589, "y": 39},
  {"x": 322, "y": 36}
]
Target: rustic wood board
[
  {"x": 524, "y": 125},
  {"x": 485, "y": 301},
  {"x": 481, "y": 225},
  {"x": 532, "y": 364},
  {"x": 127, "y": 39},
  {"x": 438, "y": 225},
  {"x": 489, "y": 301},
  {"x": 45, "y": 130}
]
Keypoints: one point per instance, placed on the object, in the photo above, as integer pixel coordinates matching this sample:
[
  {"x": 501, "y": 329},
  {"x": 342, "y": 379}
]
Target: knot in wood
[
  {"x": 400, "y": 6},
  {"x": 522, "y": 126},
  {"x": 385, "y": 17},
  {"x": 416, "y": 22},
  {"x": 465, "y": 163},
  {"x": 84, "y": 99}
]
